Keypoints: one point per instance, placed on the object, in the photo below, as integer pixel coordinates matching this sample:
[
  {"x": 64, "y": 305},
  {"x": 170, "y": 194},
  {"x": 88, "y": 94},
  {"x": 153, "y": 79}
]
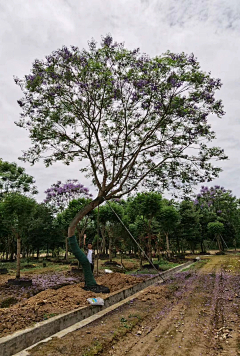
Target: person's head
[{"x": 89, "y": 246}]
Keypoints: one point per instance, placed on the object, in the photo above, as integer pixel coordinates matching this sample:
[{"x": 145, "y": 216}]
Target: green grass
[
  {"x": 37, "y": 265},
  {"x": 163, "y": 264},
  {"x": 47, "y": 316},
  {"x": 196, "y": 265}
]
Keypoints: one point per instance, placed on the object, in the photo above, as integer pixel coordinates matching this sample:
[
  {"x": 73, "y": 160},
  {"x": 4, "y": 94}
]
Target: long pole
[
  {"x": 98, "y": 233},
  {"x": 133, "y": 238}
]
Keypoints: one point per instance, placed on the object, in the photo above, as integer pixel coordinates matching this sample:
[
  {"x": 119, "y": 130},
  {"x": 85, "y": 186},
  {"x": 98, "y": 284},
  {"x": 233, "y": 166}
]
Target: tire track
[{"x": 181, "y": 329}]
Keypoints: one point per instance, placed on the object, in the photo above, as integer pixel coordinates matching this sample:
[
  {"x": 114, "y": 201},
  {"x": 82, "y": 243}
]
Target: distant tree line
[{"x": 161, "y": 226}]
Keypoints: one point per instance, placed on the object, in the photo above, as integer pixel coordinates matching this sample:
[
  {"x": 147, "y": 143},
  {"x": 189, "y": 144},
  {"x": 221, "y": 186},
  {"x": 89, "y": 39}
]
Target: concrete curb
[{"x": 23, "y": 339}]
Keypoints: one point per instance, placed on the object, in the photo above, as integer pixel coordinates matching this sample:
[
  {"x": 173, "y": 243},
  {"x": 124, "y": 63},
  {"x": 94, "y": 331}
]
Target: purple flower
[
  {"x": 107, "y": 40},
  {"x": 60, "y": 194}
]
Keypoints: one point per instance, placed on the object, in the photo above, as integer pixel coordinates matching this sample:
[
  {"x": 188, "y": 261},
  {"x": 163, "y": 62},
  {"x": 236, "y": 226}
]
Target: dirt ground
[
  {"x": 194, "y": 313},
  {"x": 50, "y": 302}
]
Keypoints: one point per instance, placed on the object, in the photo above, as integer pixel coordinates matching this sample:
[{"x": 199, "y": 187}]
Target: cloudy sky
[{"x": 31, "y": 29}]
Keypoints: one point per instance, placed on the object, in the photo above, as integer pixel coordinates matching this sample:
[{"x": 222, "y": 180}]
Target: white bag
[
  {"x": 108, "y": 271},
  {"x": 96, "y": 301}
]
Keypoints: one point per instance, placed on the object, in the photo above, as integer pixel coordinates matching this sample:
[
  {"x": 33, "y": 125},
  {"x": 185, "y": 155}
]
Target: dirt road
[{"x": 194, "y": 313}]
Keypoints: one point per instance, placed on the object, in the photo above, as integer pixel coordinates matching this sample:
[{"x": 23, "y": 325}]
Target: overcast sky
[{"x": 31, "y": 29}]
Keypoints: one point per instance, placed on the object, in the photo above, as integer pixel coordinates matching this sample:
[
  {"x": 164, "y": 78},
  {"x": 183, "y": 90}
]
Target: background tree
[
  {"x": 168, "y": 218},
  {"x": 59, "y": 196},
  {"x": 5, "y": 245},
  {"x": 216, "y": 229},
  {"x": 218, "y": 204},
  {"x": 109, "y": 222},
  {"x": 14, "y": 179},
  {"x": 41, "y": 231},
  {"x": 143, "y": 210},
  {"x": 133, "y": 118},
  {"x": 189, "y": 227},
  {"x": 17, "y": 215}
]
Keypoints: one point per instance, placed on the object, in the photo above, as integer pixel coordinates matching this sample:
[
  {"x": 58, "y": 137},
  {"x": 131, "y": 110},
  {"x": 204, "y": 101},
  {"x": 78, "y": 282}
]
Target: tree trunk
[
  {"x": 167, "y": 243},
  {"x": 80, "y": 238},
  {"x": 178, "y": 245},
  {"x": 80, "y": 215},
  {"x": 110, "y": 248},
  {"x": 235, "y": 244},
  {"x": 219, "y": 243},
  {"x": 140, "y": 259},
  {"x": 78, "y": 253},
  {"x": 202, "y": 246},
  {"x": 81, "y": 232},
  {"x": 150, "y": 247},
  {"x": 82, "y": 258},
  {"x": 98, "y": 236},
  {"x": 66, "y": 248},
  {"x": 103, "y": 244},
  {"x": 11, "y": 248},
  {"x": 18, "y": 255}
]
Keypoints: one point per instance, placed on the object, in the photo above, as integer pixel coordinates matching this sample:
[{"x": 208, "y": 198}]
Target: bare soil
[
  {"x": 49, "y": 302},
  {"x": 194, "y": 313}
]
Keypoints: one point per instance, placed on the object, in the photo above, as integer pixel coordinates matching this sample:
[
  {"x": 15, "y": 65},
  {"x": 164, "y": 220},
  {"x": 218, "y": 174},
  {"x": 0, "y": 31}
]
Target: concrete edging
[{"x": 20, "y": 340}]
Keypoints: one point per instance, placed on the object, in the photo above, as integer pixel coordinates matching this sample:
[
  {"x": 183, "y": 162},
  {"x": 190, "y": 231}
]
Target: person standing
[{"x": 90, "y": 253}]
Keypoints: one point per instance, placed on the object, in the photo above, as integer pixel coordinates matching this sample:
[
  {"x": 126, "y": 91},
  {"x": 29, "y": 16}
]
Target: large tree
[{"x": 131, "y": 119}]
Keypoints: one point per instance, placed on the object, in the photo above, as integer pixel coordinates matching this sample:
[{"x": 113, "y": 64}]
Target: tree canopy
[
  {"x": 14, "y": 179},
  {"x": 136, "y": 120}
]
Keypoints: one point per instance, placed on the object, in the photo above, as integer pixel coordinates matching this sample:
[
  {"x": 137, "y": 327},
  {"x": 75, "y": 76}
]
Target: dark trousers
[{"x": 92, "y": 266}]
